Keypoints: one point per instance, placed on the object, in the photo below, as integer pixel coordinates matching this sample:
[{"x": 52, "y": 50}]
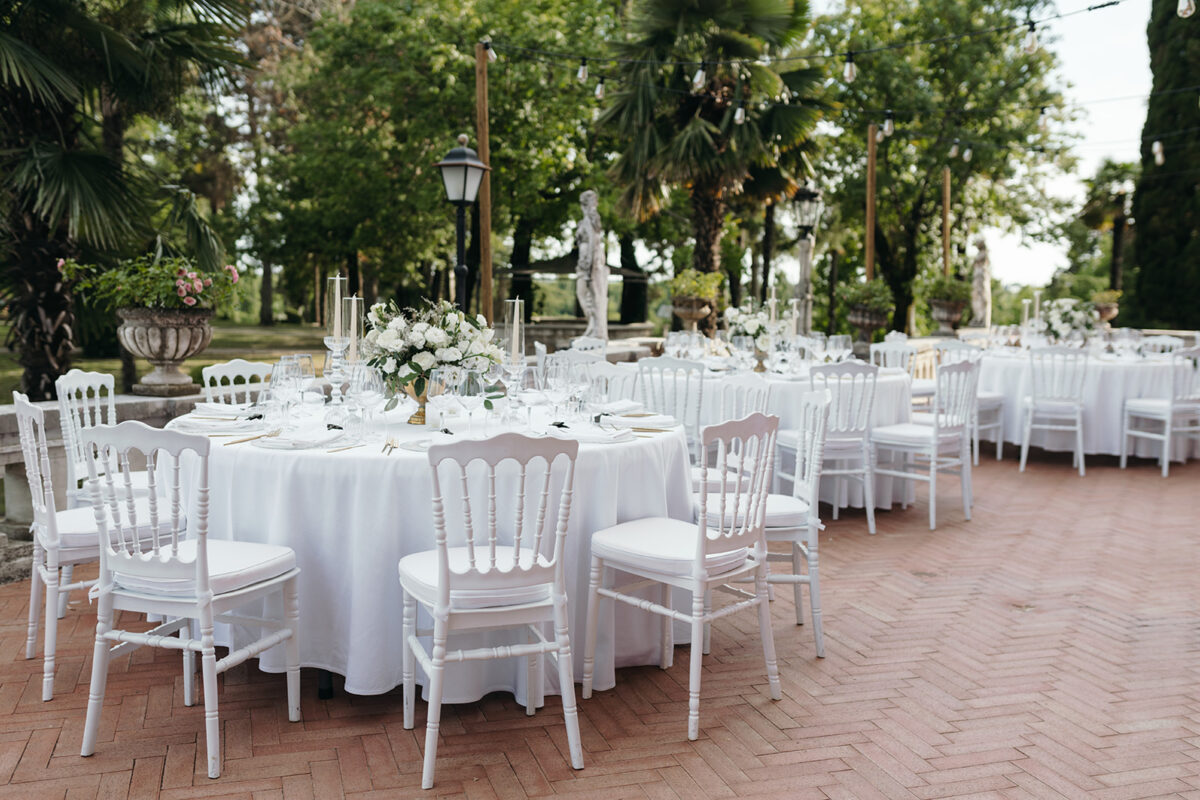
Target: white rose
[
  {"x": 437, "y": 337},
  {"x": 481, "y": 320},
  {"x": 762, "y": 342},
  {"x": 450, "y": 355},
  {"x": 420, "y": 327},
  {"x": 425, "y": 361},
  {"x": 488, "y": 333},
  {"x": 372, "y": 317},
  {"x": 451, "y": 322},
  {"x": 730, "y": 313},
  {"x": 389, "y": 340},
  {"x": 389, "y": 366},
  {"x": 416, "y": 339},
  {"x": 396, "y": 324}
]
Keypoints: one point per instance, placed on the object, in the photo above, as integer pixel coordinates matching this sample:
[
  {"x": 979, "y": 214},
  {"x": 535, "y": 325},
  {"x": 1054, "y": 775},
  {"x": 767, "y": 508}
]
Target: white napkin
[
  {"x": 189, "y": 424},
  {"x": 299, "y": 441},
  {"x": 222, "y": 410},
  {"x": 589, "y": 434},
  {"x": 619, "y": 407},
  {"x": 638, "y": 421}
]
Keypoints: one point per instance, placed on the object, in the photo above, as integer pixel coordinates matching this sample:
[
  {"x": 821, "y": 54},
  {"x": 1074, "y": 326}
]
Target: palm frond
[
  {"x": 24, "y": 66},
  {"x": 184, "y": 213}
]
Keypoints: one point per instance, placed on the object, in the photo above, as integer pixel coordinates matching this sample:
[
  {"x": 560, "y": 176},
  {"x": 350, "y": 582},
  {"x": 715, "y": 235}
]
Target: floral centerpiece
[
  {"x": 755, "y": 324},
  {"x": 405, "y": 345},
  {"x": 1066, "y": 315},
  {"x": 165, "y": 305}
]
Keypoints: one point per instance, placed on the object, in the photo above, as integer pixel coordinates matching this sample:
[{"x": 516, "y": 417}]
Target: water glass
[{"x": 472, "y": 392}]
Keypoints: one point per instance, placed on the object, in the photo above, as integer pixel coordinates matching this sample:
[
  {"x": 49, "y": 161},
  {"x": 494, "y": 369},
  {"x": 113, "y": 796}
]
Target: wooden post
[
  {"x": 485, "y": 186},
  {"x": 869, "y": 257},
  {"x": 946, "y": 221}
]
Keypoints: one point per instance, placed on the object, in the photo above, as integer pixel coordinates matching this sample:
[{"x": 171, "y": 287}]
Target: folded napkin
[
  {"x": 589, "y": 434},
  {"x": 641, "y": 421},
  {"x": 303, "y": 440},
  {"x": 717, "y": 364},
  {"x": 190, "y": 424},
  {"x": 619, "y": 407},
  {"x": 222, "y": 410}
]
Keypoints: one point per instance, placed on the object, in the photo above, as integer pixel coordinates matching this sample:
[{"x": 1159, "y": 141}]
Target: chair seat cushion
[
  {"x": 924, "y": 387},
  {"x": 838, "y": 447},
  {"x": 419, "y": 577},
  {"x": 783, "y": 510},
  {"x": 1157, "y": 407},
  {"x": 1065, "y": 408},
  {"x": 77, "y": 526},
  {"x": 910, "y": 434},
  {"x": 989, "y": 400},
  {"x": 660, "y": 545},
  {"x": 231, "y": 566},
  {"x": 139, "y": 481}
]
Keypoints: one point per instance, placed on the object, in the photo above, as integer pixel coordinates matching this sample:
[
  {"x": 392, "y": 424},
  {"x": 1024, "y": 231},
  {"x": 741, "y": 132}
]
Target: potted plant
[
  {"x": 694, "y": 295},
  {"x": 948, "y": 298},
  {"x": 1106, "y": 303},
  {"x": 870, "y": 304},
  {"x": 165, "y": 306}
]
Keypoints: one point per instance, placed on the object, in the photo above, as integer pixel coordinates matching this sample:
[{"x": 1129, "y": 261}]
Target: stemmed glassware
[
  {"x": 558, "y": 385},
  {"x": 530, "y": 391},
  {"x": 285, "y": 386},
  {"x": 366, "y": 390},
  {"x": 441, "y": 388},
  {"x": 472, "y": 392}
]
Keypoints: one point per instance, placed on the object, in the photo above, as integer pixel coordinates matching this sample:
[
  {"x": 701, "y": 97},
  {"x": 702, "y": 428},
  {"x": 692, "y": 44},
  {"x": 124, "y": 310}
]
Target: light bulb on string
[
  {"x": 851, "y": 71},
  {"x": 1031, "y": 38},
  {"x": 581, "y": 75},
  {"x": 954, "y": 149},
  {"x": 600, "y": 89},
  {"x": 967, "y": 153},
  {"x": 1186, "y": 8},
  {"x": 699, "y": 79},
  {"x": 1043, "y": 120},
  {"x": 739, "y": 116},
  {"x": 491, "y": 53},
  {"x": 879, "y": 137},
  {"x": 1157, "y": 150},
  {"x": 889, "y": 123}
]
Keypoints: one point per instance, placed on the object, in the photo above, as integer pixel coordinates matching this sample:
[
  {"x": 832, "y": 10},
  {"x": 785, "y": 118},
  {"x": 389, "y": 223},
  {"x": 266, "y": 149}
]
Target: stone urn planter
[
  {"x": 1107, "y": 311},
  {"x": 865, "y": 321},
  {"x": 165, "y": 338},
  {"x": 947, "y": 314},
  {"x": 691, "y": 310}
]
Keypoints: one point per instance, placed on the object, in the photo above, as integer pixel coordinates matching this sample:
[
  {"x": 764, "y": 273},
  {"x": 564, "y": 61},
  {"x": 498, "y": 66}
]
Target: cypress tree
[{"x": 1167, "y": 203}]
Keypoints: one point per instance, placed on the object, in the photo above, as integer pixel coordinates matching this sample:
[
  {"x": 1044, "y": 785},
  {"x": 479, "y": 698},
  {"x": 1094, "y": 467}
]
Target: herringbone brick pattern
[{"x": 1048, "y": 648}]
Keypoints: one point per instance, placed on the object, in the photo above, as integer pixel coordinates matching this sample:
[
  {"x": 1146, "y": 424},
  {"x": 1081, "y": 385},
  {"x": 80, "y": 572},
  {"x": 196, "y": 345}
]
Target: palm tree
[
  {"x": 703, "y": 103},
  {"x": 1107, "y": 208},
  {"x": 73, "y": 75}
]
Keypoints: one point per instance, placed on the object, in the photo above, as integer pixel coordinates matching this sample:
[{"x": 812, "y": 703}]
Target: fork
[
  {"x": 390, "y": 445},
  {"x": 266, "y": 435}
]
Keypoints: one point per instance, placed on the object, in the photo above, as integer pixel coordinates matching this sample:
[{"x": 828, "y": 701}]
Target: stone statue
[
  {"x": 981, "y": 287},
  {"x": 591, "y": 273}
]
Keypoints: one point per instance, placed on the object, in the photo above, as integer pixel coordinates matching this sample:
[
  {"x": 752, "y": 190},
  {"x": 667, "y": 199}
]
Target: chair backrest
[
  {"x": 892, "y": 354},
  {"x": 899, "y": 337},
  {"x": 952, "y": 351},
  {"x": 147, "y": 549},
  {"x": 954, "y": 400},
  {"x": 588, "y": 357},
  {"x": 85, "y": 399},
  {"x": 1057, "y": 373},
  {"x": 851, "y": 387},
  {"x": 923, "y": 365},
  {"x": 1161, "y": 344},
  {"x": 673, "y": 386},
  {"x": 744, "y": 451},
  {"x": 535, "y": 471},
  {"x": 1185, "y": 375},
  {"x": 223, "y": 383},
  {"x": 613, "y": 382},
  {"x": 810, "y": 449},
  {"x": 740, "y": 396},
  {"x": 590, "y": 344},
  {"x": 31, "y": 425}
]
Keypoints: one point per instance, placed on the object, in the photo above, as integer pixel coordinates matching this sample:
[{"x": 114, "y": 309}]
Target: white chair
[
  {"x": 794, "y": 518},
  {"x": 1178, "y": 413},
  {"x": 1161, "y": 344},
  {"x": 493, "y": 577},
  {"x": 86, "y": 399},
  {"x": 892, "y": 354},
  {"x": 922, "y": 369},
  {"x": 895, "y": 336},
  {"x": 847, "y": 452},
  {"x": 1056, "y": 382},
  {"x": 588, "y": 357},
  {"x": 235, "y": 381},
  {"x": 675, "y": 387},
  {"x": 590, "y": 344},
  {"x": 943, "y": 446},
  {"x": 988, "y": 414},
  {"x": 724, "y": 545},
  {"x": 181, "y": 579},
  {"x": 613, "y": 382},
  {"x": 737, "y": 397}
]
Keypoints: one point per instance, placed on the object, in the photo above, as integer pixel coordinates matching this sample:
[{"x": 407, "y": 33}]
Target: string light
[
  {"x": 879, "y": 137},
  {"x": 954, "y": 149},
  {"x": 1031, "y": 38},
  {"x": 699, "y": 79},
  {"x": 889, "y": 123},
  {"x": 600, "y": 89},
  {"x": 1043, "y": 120},
  {"x": 491, "y": 54},
  {"x": 739, "y": 116},
  {"x": 1157, "y": 150},
  {"x": 967, "y": 153},
  {"x": 850, "y": 72},
  {"x": 1186, "y": 8},
  {"x": 581, "y": 75}
]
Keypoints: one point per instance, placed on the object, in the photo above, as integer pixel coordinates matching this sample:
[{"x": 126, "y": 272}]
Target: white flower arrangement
[
  {"x": 1065, "y": 315},
  {"x": 406, "y": 345},
  {"x": 756, "y": 324}
]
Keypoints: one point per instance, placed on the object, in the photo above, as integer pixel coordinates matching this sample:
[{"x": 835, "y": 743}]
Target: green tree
[
  {"x": 981, "y": 93},
  {"x": 1106, "y": 209},
  {"x": 1167, "y": 201}
]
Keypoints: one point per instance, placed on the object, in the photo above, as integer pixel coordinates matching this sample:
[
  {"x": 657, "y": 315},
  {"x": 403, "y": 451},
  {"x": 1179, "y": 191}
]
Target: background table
[{"x": 351, "y": 516}]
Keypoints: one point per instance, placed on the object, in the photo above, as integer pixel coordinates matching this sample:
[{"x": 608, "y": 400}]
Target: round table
[
  {"x": 1109, "y": 381},
  {"x": 350, "y": 516}
]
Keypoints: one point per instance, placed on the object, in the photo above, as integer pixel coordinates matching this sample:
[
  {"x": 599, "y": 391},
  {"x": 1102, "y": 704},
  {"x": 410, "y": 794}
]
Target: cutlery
[
  {"x": 341, "y": 449},
  {"x": 650, "y": 430},
  {"x": 266, "y": 435}
]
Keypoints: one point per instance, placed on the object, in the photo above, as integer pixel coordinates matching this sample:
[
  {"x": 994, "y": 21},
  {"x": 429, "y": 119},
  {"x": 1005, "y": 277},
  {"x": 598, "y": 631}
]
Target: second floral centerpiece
[{"x": 406, "y": 345}]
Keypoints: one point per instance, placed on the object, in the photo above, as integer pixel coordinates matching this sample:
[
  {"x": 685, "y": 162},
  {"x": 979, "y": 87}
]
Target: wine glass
[
  {"x": 285, "y": 385},
  {"x": 558, "y": 384},
  {"x": 472, "y": 392},
  {"x": 440, "y": 389},
  {"x": 366, "y": 389}
]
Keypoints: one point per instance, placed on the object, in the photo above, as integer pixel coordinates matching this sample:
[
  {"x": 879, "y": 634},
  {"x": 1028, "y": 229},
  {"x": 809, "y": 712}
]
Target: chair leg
[
  {"x": 697, "y": 655},
  {"x": 189, "y": 667},
  {"x": 35, "y": 600},
  {"x": 531, "y": 676},
  {"x": 408, "y": 678},
  {"x": 765, "y": 633},
  {"x": 433, "y": 719},
  {"x": 1000, "y": 434},
  {"x": 837, "y": 491},
  {"x": 1166, "y": 451},
  {"x": 1124, "y": 438},
  {"x": 589, "y": 636},
  {"x": 51, "y": 634},
  {"x": 797, "y": 588},
  {"x": 1027, "y": 422},
  {"x": 67, "y": 573},
  {"x": 291, "y": 610},
  {"x": 814, "y": 592},
  {"x": 964, "y": 476},
  {"x": 91, "y": 725},
  {"x": 975, "y": 436},
  {"x": 208, "y": 675},
  {"x": 566, "y": 680},
  {"x": 869, "y": 487},
  {"x": 666, "y": 638},
  {"x": 1079, "y": 439},
  {"x": 707, "y": 625},
  {"x": 933, "y": 471}
]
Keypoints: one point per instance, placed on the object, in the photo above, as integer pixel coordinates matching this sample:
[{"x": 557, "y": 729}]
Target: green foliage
[
  {"x": 1106, "y": 296},
  {"x": 691, "y": 283},
  {"x": 874, "y": 295},
  {"x": 949, "y": 289},
  {"x": 149, "y": 282}
]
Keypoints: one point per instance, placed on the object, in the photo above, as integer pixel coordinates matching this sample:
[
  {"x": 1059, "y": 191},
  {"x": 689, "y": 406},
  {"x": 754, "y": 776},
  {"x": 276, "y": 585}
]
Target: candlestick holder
[{"x": 335, "y": 366}]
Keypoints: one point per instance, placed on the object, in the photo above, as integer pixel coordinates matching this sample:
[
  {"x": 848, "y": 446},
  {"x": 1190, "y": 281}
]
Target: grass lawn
[{"x": 229, "y": 341}]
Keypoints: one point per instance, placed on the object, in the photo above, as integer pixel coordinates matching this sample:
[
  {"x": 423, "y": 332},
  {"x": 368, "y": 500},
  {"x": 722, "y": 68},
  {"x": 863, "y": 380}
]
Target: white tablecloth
[
  {"x": 351, "y": 516},
  {"x": 1108, "y": 382}
]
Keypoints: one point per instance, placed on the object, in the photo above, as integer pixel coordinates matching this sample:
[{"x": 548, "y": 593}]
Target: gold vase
[
  {"x": 761, "y": 358},
  {"x": 418, "y": 417}
]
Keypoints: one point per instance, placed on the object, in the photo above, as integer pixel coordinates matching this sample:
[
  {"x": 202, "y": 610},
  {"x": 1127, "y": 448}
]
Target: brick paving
[{"x": 1049, "y": 648}]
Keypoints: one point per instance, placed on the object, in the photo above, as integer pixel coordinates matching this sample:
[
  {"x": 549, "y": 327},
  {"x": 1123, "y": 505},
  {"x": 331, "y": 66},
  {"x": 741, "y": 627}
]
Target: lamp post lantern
[
  {"x": 808, "y": 214},
  {"x": 462, "y": 172}
]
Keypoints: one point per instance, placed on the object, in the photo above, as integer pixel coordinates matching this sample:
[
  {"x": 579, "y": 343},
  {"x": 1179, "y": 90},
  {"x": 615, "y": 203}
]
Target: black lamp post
[
  {"x": 462, "y": 172},
  {"x": 808, "y": 214}
]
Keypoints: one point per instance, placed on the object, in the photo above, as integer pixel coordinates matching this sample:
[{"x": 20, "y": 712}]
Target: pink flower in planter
[
  {"x": 191, "y": 275},
  {"x": 61, "y": 262},
  {"x": 208, "y": 281},
  {"x": 181, "y": 272},
  {"x": 233, "y": 273},
  {"x": 189, "y": 301},
  {"x": 179, "y": 284},
  {"x": 182, "y": 291},
  {"x": 198, "y": 284}
]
